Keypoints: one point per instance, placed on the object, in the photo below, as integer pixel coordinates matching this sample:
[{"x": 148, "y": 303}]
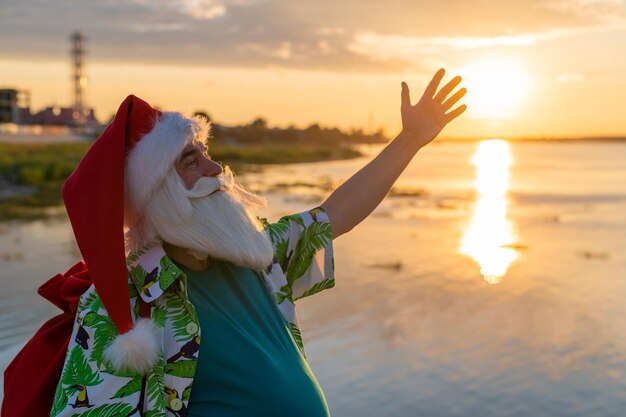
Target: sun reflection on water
[{"x": 489, "y": 235}]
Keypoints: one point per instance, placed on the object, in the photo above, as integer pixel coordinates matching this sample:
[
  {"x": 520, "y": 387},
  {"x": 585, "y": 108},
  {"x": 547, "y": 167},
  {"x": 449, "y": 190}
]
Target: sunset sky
[{"x": 532, "y": 67}]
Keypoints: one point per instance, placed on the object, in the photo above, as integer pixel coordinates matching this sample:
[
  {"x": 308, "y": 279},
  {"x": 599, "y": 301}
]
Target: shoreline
[
  {"x": 590, "y": 139},
  {"x": 31, "y": 175}
]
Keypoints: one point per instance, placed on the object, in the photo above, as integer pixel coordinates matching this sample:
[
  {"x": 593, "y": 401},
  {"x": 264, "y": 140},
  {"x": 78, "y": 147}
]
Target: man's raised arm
[{"x": 356, "y": 198}]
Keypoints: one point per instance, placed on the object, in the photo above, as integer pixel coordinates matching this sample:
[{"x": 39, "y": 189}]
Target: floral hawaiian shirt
[{"x": 90, "y": 387}]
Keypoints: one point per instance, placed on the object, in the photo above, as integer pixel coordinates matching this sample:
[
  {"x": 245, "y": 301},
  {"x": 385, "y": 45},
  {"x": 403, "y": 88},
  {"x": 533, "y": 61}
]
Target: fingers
[
  {"x": 405, "y": 96},
  {"x": 447, "y": 89},
  {"x": 434, "y": 83},
  {"x": 455, "y": 113},
  {"x": 452, "y": 100},
  {"x": 440, "y": 96}
]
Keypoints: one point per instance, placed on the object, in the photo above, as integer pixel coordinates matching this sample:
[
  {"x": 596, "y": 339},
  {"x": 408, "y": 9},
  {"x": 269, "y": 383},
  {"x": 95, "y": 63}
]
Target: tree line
[{"x": 258, "y": 131}]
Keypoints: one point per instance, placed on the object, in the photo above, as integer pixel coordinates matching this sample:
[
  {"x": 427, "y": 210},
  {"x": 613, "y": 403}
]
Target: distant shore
[
  {"x": 31, "y": 175},
  {"x": 594, "y": 139}
]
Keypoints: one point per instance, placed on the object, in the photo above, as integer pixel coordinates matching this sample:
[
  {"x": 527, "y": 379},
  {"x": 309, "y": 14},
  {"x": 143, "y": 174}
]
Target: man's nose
[{"x": 212, "y": 168}]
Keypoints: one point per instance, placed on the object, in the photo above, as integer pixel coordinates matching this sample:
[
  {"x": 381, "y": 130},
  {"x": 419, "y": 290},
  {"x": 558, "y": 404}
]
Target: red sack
[{"x": 30, "y": 380}]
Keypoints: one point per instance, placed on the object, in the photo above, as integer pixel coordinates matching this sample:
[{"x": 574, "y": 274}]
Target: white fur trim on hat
[
  {"x": 151, "y": 158},
  {"x": 136, "y": 350},
  {"x": 148, "y": 163}
]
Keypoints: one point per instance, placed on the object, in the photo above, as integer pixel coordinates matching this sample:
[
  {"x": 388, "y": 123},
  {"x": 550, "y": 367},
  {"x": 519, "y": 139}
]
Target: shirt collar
[{"x": 151, "y": 271}]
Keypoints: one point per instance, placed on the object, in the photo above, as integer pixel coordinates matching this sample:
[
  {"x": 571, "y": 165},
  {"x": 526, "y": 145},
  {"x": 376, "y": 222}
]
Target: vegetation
[
  {"x": 31, "y": 175},
  {"x": 43, "y": 168},
  {"x": 273, "y": 153},
  {"x": 314, "y": 135}
]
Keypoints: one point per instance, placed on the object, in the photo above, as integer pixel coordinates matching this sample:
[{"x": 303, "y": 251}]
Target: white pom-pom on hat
[
  {"x": 130, "y": 158},
  {"x": 136, "y": 350}
]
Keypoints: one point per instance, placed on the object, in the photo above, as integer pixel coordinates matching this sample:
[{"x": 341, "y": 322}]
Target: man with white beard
[
  {"x": 191, "y": 312},
  {"x": 212, "y": 219}
]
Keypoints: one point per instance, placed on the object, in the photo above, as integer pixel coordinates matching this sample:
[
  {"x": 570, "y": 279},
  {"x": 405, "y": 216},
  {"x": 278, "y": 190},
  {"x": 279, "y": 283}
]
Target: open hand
[{"x": 425, "y": 120}]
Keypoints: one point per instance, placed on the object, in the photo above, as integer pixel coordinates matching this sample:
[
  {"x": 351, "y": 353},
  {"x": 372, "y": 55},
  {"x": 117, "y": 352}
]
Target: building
[
  {"x": 65, "y": 116},
  {"x": 15, "y": 106}
]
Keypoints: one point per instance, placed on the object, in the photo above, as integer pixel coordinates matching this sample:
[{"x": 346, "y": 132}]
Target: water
[{"x": 494, "y": 286}]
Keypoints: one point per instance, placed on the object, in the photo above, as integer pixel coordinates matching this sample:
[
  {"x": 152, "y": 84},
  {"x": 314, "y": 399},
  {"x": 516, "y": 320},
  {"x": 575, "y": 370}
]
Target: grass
[
  {"x": 274, "y": 153},
  {"x": 42, "y": 168},
  {"x": 31, "y": 175}
]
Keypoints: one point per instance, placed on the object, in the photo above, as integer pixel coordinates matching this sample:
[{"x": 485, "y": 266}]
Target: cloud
[
  {"x": 158, "y": 27},
  {"x": 388, "y": 46},
  {"x": 407, "y": 48},
  {"x": 203, "y": 9},
  {"x": 347, "y": 35},
  {"x": 330, "y": 31},
  {"x": 608, "y": 11},
  {"x": 283, "y": 50},
  {"x": 196, "y": 9}
]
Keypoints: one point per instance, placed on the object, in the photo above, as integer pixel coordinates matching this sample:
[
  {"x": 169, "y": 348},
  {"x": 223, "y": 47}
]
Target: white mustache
[{"x": 205, "y": 186}]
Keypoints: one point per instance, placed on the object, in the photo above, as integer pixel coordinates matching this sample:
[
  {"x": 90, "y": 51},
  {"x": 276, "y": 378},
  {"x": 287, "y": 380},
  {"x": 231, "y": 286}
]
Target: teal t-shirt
[{"x": 248, "y": 363}]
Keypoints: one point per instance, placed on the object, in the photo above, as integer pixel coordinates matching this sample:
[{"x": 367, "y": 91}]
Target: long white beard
[{"x": 208, "y": 223}]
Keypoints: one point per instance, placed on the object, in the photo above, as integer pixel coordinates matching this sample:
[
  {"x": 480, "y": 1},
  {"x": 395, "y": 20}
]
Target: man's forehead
[{"x": 193, "y": 146}]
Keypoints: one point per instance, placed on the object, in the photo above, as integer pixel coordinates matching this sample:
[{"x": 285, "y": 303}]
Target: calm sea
[{"x": 490, "y": 282}]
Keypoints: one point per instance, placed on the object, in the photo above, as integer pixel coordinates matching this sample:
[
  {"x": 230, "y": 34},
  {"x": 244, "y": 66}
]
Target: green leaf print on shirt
[
  {"x": 180, "y": 314},
  {"x": 137, "y": 275},
  {"x": 105, "y": 332},
  {"x": 168, "y": 272},
  {"x": 132, "y": 291},
  {"x": 296, "y": 218},
  {"x": 61, "y": 397},
  {"x": 186, "y": 393},
  {"x": 182, "y": 369},
  {"x": 158, "y": 315},
  {"x": 279, "y": 230},
  {"x": 133, "y": 386},
  {"x": 320, "y": 286},
  {"x": 134, "y": 257},
  {"x": 279, "y": 235},
  {"x": 297, "y": 336},
  {"x": 92, "y": 302},
  {"x": 285, "y": 292},
  {"x": 107, "y": 410},
  {"x": 154, "y": 413},
  {"x": 156, "y": 387},
  {"x": 313, "y": 238},
  {"x": 78, "y": 371}
]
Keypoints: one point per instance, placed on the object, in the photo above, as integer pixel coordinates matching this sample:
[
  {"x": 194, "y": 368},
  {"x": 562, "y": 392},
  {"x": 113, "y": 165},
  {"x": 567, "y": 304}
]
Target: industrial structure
[
  {"x": 79, "y": 78},
  {"x": 15, "y": 103}
]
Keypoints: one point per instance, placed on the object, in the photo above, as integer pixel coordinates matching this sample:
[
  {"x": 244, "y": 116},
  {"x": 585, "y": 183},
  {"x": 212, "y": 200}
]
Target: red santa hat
[{"x": 135, "y": 152}]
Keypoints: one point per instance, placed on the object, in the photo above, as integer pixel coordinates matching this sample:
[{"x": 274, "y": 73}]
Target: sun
[{"x": 497, "y": 88}]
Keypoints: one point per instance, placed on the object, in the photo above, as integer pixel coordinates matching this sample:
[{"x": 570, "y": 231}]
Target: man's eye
[{"x": 191, "y": 162}]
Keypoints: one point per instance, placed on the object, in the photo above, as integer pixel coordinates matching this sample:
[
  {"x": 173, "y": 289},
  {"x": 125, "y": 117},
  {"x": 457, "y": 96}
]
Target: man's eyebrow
[{"x": 187, "y": 153}]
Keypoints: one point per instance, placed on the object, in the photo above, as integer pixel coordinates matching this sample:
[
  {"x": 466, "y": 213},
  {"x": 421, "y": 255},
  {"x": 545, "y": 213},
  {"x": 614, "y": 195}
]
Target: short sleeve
[{"x": 303, "y": 249}]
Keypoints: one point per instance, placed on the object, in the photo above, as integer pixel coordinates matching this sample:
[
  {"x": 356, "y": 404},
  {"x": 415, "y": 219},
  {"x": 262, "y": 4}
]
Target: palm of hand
[{"x": 428, "y": 117}]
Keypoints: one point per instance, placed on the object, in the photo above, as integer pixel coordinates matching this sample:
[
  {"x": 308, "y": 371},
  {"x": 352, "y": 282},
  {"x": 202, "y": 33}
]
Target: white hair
[{"x": 213, "y": 218}]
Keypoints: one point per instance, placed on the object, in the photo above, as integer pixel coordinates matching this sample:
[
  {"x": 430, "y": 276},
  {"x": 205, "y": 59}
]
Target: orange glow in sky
[
  {"x": 498, "y": 88},
  {"x": 546, "y": 68}
]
